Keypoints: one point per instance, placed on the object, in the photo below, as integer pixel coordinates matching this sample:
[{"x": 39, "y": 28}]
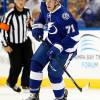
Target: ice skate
[
  {"x": 33, "y": 97},
  {"x": 65, "y": 95}
]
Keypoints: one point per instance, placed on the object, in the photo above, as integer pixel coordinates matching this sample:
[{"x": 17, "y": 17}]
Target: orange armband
[{"x": 4, "y": 26}]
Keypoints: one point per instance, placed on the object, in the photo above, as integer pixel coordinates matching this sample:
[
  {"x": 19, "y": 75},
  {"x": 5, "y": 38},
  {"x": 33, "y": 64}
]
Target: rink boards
[{"x": 84, "y": 68}]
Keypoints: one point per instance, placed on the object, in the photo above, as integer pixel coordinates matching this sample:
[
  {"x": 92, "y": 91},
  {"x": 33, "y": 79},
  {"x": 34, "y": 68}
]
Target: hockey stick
[
  {"x": 78, "y": 87},
  {"x": 70, "y": 57},
  {"x": 65, "y": 66}
]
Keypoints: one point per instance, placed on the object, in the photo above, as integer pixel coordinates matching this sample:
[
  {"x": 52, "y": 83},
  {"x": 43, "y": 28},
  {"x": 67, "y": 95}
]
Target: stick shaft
[{"x": 78, "y": 87}]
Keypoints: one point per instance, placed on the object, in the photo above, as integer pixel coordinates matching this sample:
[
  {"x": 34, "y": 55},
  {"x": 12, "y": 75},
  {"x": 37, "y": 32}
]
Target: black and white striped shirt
[{"x": 18, "y": 26}]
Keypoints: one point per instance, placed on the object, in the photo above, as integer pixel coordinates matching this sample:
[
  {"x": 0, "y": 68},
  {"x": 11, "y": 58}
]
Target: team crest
[
  {"x": 52, "y": 28},
  {"x": 65, "y": 16}
]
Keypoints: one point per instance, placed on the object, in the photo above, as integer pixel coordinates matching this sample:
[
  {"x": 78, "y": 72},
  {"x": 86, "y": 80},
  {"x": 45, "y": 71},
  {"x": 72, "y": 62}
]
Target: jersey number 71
[{"x": 70, "y": 29}]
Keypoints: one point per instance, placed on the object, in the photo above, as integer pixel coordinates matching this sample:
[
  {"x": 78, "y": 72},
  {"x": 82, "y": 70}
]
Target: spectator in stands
[
  {"x": 86, "y": 13},
  {"x": 31, "y": 4},
  {"x": 71, "y": 4},
  {"x": 97, "y": 23},
  {"x": 72, "y": 7},
  {"x": 11, "y": 5},
  {"x": 80, "y": 21},
  {"x": 94, "y": 5}
]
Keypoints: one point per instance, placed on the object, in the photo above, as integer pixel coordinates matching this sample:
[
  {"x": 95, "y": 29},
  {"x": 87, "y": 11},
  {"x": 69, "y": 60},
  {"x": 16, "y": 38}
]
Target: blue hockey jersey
[{"x": 62, "y": 27}]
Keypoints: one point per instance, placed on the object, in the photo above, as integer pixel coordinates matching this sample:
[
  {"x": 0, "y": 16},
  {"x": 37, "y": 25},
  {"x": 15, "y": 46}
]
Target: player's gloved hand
[
  {"x": 53, "y": 52},
  {"x": 37, "y": 34}
]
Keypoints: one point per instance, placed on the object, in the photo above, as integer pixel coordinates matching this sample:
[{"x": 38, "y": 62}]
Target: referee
[{"x": 17, "y": 44}]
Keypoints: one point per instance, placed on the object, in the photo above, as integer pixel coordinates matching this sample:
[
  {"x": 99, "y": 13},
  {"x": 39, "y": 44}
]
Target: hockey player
[{"x": 61, "y": 41}]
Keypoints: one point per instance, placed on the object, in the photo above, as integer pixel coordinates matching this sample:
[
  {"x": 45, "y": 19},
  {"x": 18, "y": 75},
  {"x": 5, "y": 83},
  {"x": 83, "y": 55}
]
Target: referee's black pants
[{"x": 20, "y": 59}]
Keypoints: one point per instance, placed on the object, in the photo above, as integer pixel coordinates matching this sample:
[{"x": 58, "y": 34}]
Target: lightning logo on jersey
[{"x": 52, "y": 28}]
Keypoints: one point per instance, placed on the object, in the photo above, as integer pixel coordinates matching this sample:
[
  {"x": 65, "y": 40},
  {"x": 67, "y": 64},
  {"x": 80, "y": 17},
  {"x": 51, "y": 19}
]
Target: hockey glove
[
  {"x": 54, "y": 51},
  {"x": 37, "y": 34}
]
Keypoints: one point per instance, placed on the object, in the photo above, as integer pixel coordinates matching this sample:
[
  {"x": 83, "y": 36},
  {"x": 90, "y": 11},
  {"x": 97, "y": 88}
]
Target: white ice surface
[{"x": 47, "y": 94}]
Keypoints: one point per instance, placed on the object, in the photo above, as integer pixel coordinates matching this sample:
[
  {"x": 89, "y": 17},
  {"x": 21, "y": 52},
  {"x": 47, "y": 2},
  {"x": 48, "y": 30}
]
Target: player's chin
[{"x": 49, "y": 9}]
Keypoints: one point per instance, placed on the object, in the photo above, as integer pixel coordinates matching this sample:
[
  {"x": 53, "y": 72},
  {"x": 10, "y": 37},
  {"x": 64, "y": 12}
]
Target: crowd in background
[{"x": 86, "y": 12}]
